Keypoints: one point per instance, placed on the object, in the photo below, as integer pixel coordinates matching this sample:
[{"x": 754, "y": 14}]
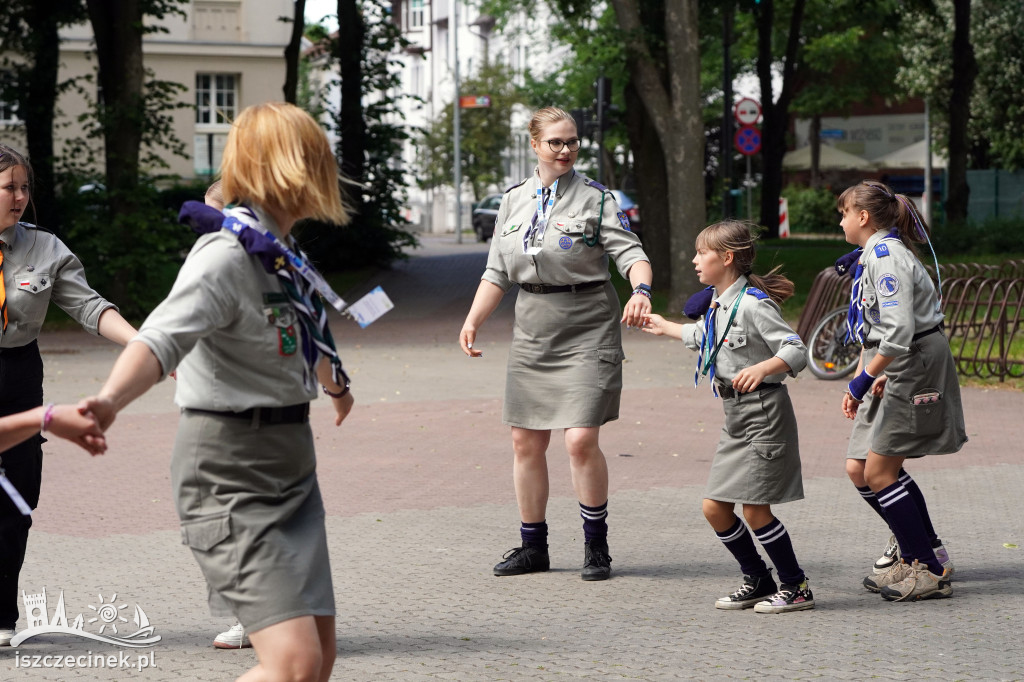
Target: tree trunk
[
  {"x": 40, "y": 99},
  {"x": 292, "y": 53},
  {"x": 815, "y": 140},
  {"x": 776, "y": 112},
  {"x": 676, "y": 116},
  {"x": 965, "y": 68},
  {"x": 651, "y": 188},
  {"x": 349, "y": 50}
]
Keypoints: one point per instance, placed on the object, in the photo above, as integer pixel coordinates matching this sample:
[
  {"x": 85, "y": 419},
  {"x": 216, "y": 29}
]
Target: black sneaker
[
  {"x": 522, "y": 560},
  {"x": 596, "y": 561},
  {"x": 752, "y": 591}
]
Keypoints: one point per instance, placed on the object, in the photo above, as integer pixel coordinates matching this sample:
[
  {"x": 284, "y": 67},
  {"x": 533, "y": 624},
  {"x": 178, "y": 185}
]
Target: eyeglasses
[{"x": 556, "y": 145}]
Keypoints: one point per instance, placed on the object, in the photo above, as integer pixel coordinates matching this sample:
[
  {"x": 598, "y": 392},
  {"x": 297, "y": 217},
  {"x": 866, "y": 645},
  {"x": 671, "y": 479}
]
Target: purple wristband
[
  {"x": 47, "y": 418},
  {"x": 861, "y": 385}
]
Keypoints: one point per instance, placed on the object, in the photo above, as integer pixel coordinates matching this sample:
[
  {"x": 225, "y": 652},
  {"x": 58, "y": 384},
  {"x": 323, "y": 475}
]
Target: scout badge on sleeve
[{"x": 624, "y": 220}]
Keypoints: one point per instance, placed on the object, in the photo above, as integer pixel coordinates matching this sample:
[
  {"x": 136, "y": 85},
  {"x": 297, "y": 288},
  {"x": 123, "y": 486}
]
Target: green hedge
[{"x": 811, "y": 210}]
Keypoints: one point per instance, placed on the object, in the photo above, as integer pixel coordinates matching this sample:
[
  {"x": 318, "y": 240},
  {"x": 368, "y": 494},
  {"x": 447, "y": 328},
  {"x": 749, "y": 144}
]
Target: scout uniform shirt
[
  {"x": 897, "y": 295},
  {"x": 230, "y": 326},
  {"x": 758, "y": 333},
  {"x": 38, "y": 268},
  {"x": 576, "y": 219}
]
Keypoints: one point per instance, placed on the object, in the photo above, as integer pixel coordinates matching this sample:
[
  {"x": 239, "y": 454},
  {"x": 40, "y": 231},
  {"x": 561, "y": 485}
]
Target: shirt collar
[
  {"x": 562, "y": 180},
  {"x": 727, "y": 297},
  {"x": 872, "y": 241},
  {"x": 11, "y": 234}
]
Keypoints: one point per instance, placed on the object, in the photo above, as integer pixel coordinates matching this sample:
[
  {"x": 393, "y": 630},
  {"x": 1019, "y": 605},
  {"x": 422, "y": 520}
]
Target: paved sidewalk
[{"x": 418, "y": 490}]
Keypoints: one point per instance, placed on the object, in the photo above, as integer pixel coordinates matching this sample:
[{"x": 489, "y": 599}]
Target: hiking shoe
[
  {"x": 522, "y": 560},
  {"x": 6, "y": 635},
  {"x": 919, "y": 584},
  {"x": 596, "y": 561},
  {"x": 752, "y": 591},
  {"x": 897, "y": 572},
  {"x": 889, "y": 557},
  {"x": 233, "y": 638},
  {"x": 943, "y": 556},
  {"x": 788, "y": 598}
]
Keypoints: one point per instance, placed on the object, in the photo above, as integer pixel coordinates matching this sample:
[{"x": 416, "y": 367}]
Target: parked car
[
  {"x": 631, "y": 209},
  {"x": 484, "y": 215}
]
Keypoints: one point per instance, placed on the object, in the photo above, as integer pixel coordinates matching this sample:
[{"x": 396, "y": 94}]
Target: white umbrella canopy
[
  {"x": 911, "y": 156},
  {"x": 831, "y": 158}
]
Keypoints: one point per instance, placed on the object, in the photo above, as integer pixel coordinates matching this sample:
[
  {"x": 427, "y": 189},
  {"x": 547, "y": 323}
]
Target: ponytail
[{"x": 739, "y": 237}]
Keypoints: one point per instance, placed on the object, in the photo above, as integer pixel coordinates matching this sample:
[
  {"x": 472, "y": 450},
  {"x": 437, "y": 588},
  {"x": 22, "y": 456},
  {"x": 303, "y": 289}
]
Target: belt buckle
[{"x": 534, "y": 288}]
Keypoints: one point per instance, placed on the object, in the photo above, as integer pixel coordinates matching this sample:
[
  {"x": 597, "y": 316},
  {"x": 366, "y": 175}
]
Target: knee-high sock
[
  {"x": 595, "y": 522},
  {"x": 905, "y": 521},
  {"x": 869, "y": 496},
  {"x": 739, "y": 541},
  {"x": 776, "y": 542},
  {"x": 915, "y": 492}
]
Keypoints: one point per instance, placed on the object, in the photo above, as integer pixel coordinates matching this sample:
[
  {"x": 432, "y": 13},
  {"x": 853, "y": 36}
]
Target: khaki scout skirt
[
  {"x": 920, "y": 412},
  {"x": 758, "y": 456},
  {"x": 251, "y": 512},
  {"x": 565, "y": 363}
]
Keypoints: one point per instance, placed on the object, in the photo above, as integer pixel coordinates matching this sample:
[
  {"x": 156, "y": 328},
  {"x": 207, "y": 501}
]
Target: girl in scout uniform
[
  {"x": 36, "y": 268},
  {"x": 915, "y": 409},
  {"x": 746, "y": 349},
  {"x": 554, "y": 234},
  {"x": 246, "y": 330}
]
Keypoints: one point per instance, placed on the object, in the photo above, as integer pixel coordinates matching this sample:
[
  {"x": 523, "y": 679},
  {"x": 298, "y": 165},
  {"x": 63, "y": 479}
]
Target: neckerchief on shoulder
[
  {"x": 855, "y": 313},
  {"x": 301, "y": 291},
  {"x": 708, "y": 349}
]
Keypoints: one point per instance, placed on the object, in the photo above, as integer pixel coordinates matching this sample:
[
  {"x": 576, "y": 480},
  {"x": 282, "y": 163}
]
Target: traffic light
[{"x": 603, "y": 102}]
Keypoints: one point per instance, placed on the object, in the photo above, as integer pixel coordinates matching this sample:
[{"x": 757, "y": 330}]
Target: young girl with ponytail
[
  {"x": 905, "y": 399},
  {"x": 746, "y": 349}
]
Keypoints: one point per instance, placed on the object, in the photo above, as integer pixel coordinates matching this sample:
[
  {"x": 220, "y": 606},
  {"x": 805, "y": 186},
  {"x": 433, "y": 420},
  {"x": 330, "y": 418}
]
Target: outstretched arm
[
  {"x": 62, "y": 420},
  {"x": 134, "y": 373}
]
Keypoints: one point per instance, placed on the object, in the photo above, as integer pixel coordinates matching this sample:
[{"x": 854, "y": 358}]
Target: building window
[
  {"x": 416, "y": 14},
  {"x": 217, "y": 22},
  {"x": 216, "y": 98}
]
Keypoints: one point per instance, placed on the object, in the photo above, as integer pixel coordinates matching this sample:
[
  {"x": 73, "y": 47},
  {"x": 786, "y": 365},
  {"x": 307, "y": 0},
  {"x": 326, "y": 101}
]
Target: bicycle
[{"x": 828, "y": 355}]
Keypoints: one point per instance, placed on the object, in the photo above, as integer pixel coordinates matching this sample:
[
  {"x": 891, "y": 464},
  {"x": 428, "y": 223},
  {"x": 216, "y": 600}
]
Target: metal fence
[{"x": 983, "y": 308}]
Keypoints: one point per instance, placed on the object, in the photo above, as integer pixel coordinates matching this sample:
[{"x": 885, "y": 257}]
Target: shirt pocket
[
  {"x": 736, "y": 338},
  {"x": 511, "y": 236},
  {"x": 32, "y": 296}
]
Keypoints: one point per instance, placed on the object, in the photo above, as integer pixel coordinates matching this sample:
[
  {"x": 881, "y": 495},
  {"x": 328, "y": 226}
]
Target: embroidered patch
[
  {"x": 623, "y": 220},
  {"x": 287, "y": 341},
  {"x": 888, "y": 284},
  {"x": 890, "y": 304},
  {"x": 881, "y": 250},
  {"x": 875, "y": 316},
  {"x": 792, "y": 338},
  {"x": 565, "y": 241}
]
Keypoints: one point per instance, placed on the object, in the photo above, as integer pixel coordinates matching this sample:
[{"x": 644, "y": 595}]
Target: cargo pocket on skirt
[
  {"x": 609, "y": 368},
  {"x": 213, "y": 546},
  {"x": 927, "y": 412},
  {"x": 769, "y": 466}
]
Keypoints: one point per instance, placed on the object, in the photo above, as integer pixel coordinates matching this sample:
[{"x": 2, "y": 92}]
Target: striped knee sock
[
  {"x": 868, "y": 496},
  {"x": 534, "y": 534},
  {"x": 915, "y": 492},
  {"x": 776, "y": 542},
  {"x": 906, "y": 524},
  {"x": 739, "y": 541},
  {"x": 595, "y": 524}
]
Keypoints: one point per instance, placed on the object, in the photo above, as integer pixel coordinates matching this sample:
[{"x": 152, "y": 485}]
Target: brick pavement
[{"x": 420, "y": 506}]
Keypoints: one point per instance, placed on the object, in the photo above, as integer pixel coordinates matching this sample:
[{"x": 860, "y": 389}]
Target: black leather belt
[
  {"x": 726, "y": 391},
  {"x": 290, "y": 414},
  {"x": 558, "y": 288},
  {"x": 920, "y": 335}
]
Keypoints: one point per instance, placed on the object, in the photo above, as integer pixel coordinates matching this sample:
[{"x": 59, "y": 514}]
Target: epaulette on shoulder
[
  {"x": 757, "y": 293},
  {"x": 30, "y": 226},
  {"x": 881, "y": 250},
  {"x": 515, "y": 185},
  {"x": 595, "y": 184}
]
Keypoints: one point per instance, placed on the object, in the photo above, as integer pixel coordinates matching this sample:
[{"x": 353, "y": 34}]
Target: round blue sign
[
  {"x": 748, "y": 140},
  {"x": 565, "y": 242}
]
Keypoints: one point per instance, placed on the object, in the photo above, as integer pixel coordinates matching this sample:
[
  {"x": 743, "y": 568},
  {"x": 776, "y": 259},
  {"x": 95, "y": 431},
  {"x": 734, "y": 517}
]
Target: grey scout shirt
[
  {"x": 229, "y": 330},
  {"x": 757, "y": 333},
  {"x": 39, "y": 268},
  {"x": 564, "y": 258},
  {"x": 898, "y": 296}
]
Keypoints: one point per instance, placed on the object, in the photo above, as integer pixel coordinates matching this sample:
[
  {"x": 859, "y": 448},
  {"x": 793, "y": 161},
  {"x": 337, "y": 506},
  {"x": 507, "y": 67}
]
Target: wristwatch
[{"x": 343, "y": 392}]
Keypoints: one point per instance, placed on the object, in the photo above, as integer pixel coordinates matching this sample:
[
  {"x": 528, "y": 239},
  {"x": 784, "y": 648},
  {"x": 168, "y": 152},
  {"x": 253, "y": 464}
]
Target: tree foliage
[{"x": 486, "y": 135}]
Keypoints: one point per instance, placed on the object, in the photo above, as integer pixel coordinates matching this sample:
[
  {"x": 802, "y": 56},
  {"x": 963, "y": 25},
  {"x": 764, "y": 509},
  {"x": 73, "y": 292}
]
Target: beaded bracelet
[
  {"x": 644, "y": 292},
  {"x": 47, "y": 418}
]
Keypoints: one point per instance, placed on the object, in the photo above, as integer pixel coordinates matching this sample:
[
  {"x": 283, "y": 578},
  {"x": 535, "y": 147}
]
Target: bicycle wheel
[{"x": 828, "y": 355}]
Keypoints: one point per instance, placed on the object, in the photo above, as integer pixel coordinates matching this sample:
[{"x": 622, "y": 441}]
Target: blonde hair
[
  {"x": 545, "y": 117},
  {"x": 739, "y": 237},
  {"x": 214, "y": 196},
  {"x": 277, "y": 155}
]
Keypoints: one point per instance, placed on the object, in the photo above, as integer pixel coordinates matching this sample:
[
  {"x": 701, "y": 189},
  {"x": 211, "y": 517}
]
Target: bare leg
[
  {"x": 720, "y": 515},
  {"x": 296, "y": 650},
  {"x": 530, "y": 472},
  {"x": 588, "y": 465}
]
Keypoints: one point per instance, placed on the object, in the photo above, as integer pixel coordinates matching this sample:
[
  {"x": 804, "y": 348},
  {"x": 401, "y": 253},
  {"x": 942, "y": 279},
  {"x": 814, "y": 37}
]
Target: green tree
[{"x": 486, "y": 135}]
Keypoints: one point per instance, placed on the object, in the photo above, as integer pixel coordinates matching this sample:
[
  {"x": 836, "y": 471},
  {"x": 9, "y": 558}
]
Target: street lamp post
[{"x": 457, "y": 126}]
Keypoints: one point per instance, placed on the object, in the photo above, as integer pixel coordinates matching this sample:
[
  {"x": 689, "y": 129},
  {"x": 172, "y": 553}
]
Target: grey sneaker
[
  {"x": 788, "y": 598},
  {"x": 233, "y": 638},
  {"x": 6, "y": 635},
  {"x": 889, "y": 557},
  {"x": 752, "y": 591},
  {"x": 919, "y": 584},
  {"x": 943, "y": 556},
  {"x": 896, "y": 573}
]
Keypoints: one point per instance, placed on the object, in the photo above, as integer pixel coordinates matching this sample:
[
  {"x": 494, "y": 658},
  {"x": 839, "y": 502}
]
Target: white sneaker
[
  {"x": 889, "y": 557},
  {"x": 233, "y": 638},
  {"x": 6, "y": 635}
]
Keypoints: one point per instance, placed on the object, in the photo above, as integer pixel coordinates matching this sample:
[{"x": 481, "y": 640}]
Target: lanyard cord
[
  {"x": 714, "y": 354},
  {"x": 597, "y": 231}
]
